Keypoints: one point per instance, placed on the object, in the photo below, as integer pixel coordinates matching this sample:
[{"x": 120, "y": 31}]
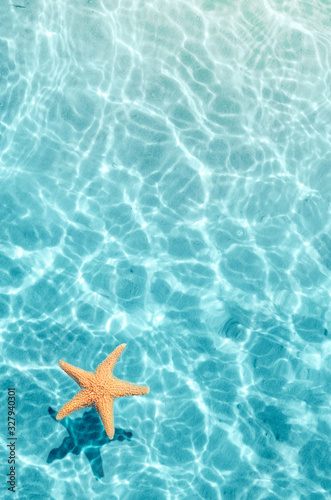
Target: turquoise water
[{"x": 166, "y": 183}]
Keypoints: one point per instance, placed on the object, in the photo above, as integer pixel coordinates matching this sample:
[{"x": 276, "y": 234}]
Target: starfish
[{"x": 99, "y": 389}]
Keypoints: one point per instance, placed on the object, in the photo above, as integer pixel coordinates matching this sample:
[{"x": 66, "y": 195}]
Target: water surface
[{"x": 166, "y": 183}]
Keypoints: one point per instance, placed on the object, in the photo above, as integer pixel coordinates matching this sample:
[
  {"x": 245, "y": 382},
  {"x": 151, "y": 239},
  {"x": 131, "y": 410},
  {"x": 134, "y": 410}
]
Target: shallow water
[{"x": 166, "y": 182}]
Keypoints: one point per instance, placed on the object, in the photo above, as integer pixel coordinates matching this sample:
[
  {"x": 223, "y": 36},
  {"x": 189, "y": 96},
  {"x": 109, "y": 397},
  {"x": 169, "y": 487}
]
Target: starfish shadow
[{"x": 87, "y": 435}]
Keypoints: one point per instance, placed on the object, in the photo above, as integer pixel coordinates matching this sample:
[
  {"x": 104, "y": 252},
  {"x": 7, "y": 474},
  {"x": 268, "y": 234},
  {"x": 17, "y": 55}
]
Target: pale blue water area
[{"x": 166, "y": 183}]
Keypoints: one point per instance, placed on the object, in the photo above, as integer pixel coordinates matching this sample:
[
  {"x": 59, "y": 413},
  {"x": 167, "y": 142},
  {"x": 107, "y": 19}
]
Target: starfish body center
[{"x": 99, "y": 390}]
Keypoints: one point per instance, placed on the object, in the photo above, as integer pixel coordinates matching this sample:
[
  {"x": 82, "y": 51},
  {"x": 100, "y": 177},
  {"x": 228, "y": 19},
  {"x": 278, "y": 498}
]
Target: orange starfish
[{"x": 99, "y": 389}]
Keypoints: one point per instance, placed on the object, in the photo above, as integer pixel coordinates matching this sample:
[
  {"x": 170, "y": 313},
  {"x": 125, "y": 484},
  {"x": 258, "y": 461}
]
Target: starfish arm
[
  {"x": 105, "y": 408},
  {"x": 124, "y": 388},
  {"x": 81, "y": 377},
  {"x": 83, "y": 399},
  {"x": 105, "y": 369}
]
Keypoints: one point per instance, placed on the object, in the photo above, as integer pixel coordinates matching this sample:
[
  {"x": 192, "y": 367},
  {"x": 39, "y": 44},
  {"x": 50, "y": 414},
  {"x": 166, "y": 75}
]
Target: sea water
[{"x": 166, "y": 183}]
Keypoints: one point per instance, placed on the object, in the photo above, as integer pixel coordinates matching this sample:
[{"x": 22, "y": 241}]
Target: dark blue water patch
[
  {"x": 261, "y": 430},
  {"x": 17, "y": 274},
  {"x": 276, "y": 421},
  {"x": 86, "y": 435}
]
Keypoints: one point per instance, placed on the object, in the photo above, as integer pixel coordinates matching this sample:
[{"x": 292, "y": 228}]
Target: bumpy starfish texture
[{"x": 99, "y": 389}]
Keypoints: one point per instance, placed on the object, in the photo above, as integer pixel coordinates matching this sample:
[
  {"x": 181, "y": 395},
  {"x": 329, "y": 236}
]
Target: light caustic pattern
[{"x": 166, "y": 183}]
